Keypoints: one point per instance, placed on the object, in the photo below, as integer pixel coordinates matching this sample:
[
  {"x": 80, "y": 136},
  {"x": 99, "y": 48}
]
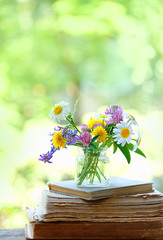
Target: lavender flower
[
  {"x": 47, "y": 156},
  {"x": 70, "y": 135},
  {"x": 58, "y": 129}
]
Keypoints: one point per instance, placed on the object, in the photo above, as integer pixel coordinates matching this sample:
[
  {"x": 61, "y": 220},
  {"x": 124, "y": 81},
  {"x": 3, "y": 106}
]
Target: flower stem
[
  {"x": 73, "y": 124},
  {"x": 89, "y": 169},
  {"x": 85, "y": 171},
  {"x": 94, "y": 169},
  {"x": 101, "y": 173}
]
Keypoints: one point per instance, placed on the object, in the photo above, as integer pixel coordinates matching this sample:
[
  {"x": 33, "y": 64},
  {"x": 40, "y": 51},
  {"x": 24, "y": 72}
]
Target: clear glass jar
[{"x": 92, "y": 168}]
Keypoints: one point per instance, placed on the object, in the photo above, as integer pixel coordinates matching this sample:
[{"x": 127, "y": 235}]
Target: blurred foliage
[{"x": 109, "y": 51}]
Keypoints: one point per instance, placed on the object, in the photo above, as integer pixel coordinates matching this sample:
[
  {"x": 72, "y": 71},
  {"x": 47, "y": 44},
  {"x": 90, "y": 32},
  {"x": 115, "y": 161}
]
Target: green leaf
[
  {"x": 125, "y": 151},
  {"x": 130, "y": 146},
  {"x": 109, "y": 144},
  {"x": 95, "y": 138},
  {"x": 109, "y": 127},
  {"x": 114, "y": 147},
  {"x": 138, "y": 151},
  {"x": 92, "y": 145},
  {"x": 112, "y": 125}
]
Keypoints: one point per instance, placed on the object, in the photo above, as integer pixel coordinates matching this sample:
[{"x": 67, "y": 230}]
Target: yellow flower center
[
  {"x": 57, "y": 110},
  {"x": 103, "y": 116},
  {"x": 125, "y": 133},
  {"x": 139, "y": 142},
  {"x": 100, "y": 131},
  {"x": 132, "y": 116},
  {"x": 58, "y": 140}
]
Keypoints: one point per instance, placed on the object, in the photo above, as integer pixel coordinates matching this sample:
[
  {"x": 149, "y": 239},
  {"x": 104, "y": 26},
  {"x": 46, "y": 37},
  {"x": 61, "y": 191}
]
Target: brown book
[
  {"x": 118, "y": 186},
  {"x": 123, "y": 217},
  {"x": 138, "y": 229}
]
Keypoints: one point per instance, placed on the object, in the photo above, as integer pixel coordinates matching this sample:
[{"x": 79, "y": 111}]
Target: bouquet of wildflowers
[{"x": 114, "y": 128}]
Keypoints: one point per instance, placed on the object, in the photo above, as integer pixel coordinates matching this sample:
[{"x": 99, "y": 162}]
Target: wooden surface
[
  {"x": 19, "y": 234},
  {"x": 12, "y": 234}
]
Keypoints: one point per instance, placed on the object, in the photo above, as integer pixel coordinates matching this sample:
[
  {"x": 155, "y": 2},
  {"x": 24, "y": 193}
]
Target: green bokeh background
[{"x": 109, "y": 52}]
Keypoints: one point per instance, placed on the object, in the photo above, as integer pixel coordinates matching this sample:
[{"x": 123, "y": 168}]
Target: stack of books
[{"x": 127, "y": 209}]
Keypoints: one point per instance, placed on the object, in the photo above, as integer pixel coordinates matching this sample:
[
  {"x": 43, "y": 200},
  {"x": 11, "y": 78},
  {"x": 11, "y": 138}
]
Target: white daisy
[
  {"x": 130, "y": 118},
  {"x": 59, "y": 111},
  {"x": 102, "y": 116},
  {"x": 137, "y": 141},
  {"x": 123, "y": 133}
]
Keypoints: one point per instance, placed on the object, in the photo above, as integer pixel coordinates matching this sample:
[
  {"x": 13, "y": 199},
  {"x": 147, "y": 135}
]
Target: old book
[
  {"x": 60, "y": 216},
  {"x": 57, "y": 207},
  {"x": 118, "y": 186},
  {"x": 137, "y": 229}
]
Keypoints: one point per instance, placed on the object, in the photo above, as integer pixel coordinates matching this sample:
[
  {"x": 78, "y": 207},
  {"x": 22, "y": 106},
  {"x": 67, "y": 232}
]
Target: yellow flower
[
  {"x": 58, "y": 140},
  {"x": 93, "y": 121},
  {"x": 99, "y": 130}
]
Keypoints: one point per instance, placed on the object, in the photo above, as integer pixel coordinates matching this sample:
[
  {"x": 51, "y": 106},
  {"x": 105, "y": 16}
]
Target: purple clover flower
[
  {"x": 47, "y": 156},
  {"x": 116, "y": 113},
  {"x": 85, "y": 138}
]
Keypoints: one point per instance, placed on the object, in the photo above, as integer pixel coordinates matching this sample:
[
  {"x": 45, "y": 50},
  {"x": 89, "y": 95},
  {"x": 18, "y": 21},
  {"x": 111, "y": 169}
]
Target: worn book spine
[
  {"x": 83, "y": 230},
  {"x": 49, "y": 198},
  {"x": 58, "y": 208}
]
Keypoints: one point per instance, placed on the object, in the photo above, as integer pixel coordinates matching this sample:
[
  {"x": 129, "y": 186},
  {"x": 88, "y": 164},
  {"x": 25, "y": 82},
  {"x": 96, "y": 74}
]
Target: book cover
[
  {"x": 138, "y": 229},
  {"x": 118, "y": 186}
]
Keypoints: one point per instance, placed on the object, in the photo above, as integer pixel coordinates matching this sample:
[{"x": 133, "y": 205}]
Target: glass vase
[{"x": 92, "y": 168}]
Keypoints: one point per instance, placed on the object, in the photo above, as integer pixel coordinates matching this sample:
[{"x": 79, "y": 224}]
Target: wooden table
[{"x": 12, "y": 234}]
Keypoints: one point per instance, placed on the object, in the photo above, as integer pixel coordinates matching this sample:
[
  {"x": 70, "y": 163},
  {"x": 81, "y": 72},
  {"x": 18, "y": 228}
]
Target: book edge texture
[{"x": 135, "y": 187}]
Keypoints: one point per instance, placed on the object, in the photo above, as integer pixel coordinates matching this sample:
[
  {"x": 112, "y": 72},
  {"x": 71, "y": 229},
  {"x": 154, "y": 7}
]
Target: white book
[{"x": 118, "y": 186}]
